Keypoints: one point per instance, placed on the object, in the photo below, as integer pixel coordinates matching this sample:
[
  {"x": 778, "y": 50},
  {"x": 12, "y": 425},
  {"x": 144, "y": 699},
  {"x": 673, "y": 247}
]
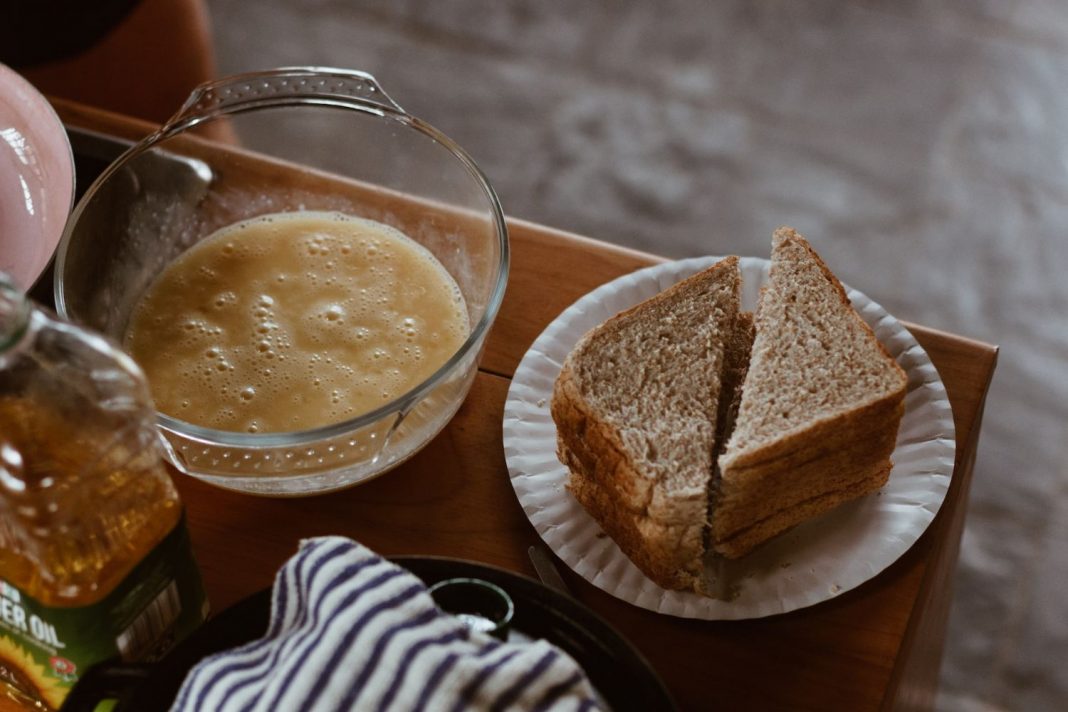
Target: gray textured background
[{"x": 922, "y": 147}]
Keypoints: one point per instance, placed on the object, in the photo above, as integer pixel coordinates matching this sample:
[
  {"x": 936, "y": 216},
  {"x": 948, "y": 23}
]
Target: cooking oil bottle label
[{"x": 44, "y": 650}]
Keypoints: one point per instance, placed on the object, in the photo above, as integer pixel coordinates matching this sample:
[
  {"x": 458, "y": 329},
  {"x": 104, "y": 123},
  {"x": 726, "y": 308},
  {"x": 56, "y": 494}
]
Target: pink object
[{"x": 36, "y": 179}]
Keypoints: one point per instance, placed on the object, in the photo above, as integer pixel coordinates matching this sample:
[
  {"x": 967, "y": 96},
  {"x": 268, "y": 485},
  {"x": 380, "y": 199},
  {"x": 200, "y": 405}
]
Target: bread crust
[
  {"x": 645, "y": 543},
  {"x": 776, "y": 489},
  {"x": 757, "y": 533}
]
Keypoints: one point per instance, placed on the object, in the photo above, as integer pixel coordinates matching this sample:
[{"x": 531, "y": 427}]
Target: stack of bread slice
[
  {"x": 690, "y": 427},
  {"x": 636, "y": 408}
]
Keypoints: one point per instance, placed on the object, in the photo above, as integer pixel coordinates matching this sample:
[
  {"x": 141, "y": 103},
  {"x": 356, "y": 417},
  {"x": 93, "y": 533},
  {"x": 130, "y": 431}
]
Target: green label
[{"x": 43, "y": 650}]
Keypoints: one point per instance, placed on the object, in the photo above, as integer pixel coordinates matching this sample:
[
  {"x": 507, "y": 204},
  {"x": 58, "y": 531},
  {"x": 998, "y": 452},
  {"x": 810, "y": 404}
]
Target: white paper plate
[{"x": 813, "y": 562}]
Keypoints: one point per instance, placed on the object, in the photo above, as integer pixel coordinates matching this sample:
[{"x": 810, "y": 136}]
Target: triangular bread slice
[
  {"x": 636, "y": 406},
  {"x": 819, "y": 411}
]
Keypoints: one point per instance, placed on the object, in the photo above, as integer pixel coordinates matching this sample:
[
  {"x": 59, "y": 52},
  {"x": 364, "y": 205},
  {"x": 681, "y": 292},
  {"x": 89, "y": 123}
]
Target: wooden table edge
[{"x": 914, "y": 678}]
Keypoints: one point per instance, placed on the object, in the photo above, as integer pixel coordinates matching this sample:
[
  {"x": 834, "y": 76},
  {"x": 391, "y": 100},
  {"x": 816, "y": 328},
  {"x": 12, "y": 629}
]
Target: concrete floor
[{"x": 923, "y": 148}]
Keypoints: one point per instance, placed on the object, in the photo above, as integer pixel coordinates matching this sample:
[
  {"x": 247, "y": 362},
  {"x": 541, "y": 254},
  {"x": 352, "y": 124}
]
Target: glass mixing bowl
[{"x": 291, "y": 139}]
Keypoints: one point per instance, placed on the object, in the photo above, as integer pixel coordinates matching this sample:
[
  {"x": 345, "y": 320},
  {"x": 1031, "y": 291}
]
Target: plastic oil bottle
[{"x": 95, "y": 561}]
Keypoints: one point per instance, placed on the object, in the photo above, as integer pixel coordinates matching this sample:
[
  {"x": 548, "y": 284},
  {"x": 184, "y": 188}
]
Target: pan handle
[{"x": 105, "y": 681}]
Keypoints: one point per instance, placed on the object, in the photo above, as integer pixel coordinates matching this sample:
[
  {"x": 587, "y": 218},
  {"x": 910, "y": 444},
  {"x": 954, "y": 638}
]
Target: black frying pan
[{"x": 616, "y": 670}]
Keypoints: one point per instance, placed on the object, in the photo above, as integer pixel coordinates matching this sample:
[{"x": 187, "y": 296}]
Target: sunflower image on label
[{"x": 45, "y": 649}]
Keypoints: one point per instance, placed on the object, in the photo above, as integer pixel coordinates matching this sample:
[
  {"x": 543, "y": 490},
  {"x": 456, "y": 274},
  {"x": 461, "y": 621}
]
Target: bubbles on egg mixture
[{"x": 296, "y": 320}]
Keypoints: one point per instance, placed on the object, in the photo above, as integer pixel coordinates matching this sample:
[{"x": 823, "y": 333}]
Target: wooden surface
[{"x": 877, "y": 646}]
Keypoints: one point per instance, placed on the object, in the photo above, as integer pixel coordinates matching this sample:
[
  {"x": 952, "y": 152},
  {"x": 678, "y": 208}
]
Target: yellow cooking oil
[{"x": 95, "y": 561}]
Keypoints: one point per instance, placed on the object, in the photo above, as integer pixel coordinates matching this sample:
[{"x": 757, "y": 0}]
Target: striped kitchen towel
[{"x": 350, "y": 630}]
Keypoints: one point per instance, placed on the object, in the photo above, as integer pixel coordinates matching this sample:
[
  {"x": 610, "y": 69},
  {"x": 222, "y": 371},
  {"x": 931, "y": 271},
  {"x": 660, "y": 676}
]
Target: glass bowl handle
[{"x": 288, "y": 85}]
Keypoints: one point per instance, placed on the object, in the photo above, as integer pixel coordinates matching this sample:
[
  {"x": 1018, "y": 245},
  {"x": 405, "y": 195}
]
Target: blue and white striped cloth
[{"x": 350, "y": 630}]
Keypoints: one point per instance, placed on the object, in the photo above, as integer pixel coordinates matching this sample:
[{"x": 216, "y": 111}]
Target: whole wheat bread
[
  {"x": 819, "y": 411},
  {"x": 636, "y": 407},
  {"x": 688, "y": 425}
]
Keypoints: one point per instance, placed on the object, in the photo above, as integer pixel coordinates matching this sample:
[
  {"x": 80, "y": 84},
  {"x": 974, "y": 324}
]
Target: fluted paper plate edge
[{"x": 812, "y": 563}]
